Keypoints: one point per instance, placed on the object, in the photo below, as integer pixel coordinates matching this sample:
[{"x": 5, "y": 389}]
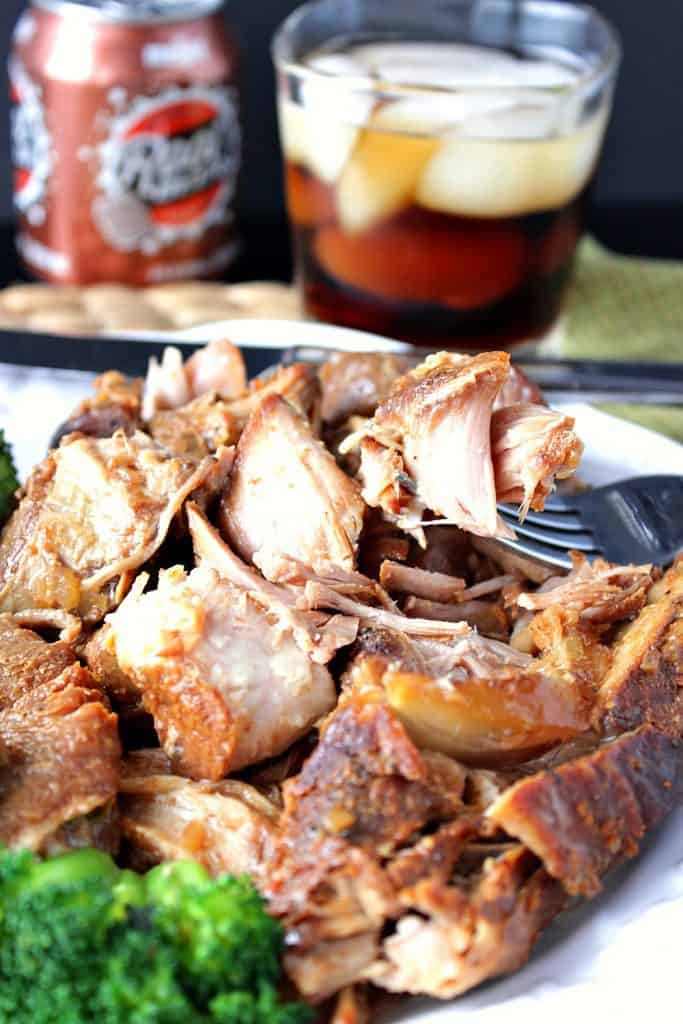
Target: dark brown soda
[{"x": 434, "y": 279}]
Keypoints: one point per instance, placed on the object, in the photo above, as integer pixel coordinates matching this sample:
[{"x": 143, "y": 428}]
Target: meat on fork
[
  {"x": 224, "y": 678},
  {"x": 59, "y": 759},
  {"x": 428, "y": 444},
  {"x": 287, "y": 496},
  {"x": 92, "y": 513},
  {"x": 434, "y": 443},
  {"x": 227, "y": 826},
  {"x": 532, "y": 446}
]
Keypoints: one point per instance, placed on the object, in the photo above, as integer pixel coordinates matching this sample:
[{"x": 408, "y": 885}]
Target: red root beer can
[{"x": 125, "y": 139}]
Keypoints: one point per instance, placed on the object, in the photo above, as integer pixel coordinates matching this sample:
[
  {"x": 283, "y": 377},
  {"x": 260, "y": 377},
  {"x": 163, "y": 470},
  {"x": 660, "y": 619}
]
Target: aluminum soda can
[{"x": 125, "y": 139}]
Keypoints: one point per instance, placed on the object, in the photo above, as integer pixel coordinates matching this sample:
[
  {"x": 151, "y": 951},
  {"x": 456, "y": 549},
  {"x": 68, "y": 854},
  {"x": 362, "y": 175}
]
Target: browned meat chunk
[
  {"x": 472, "y": 698},
  {"x": 226, "y": 826},
  {"x": 114, "y": 406},
  {"x": 645, "y": 680},
  {"x": 287, "y": 496},
  {"x": 225, "y": 680},
  {"x": 368, "y": 783},
  {"x": 532, "y": 446},
  {"x": 92, "y": 513},
  {"x": 354, "y": 383},
  {"x": 364, "y": 792},
  {"x": 451, "y": 938},
  {"x": 26, "y": 661},
  {"x": 196, "y": 429},
  {"x": 588, "y": 814},
  {"x": 59, "y": 758},
  {"x": 116, "y": 683}
]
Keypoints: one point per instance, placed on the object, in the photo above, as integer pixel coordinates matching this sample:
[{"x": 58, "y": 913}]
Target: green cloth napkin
[{"x": 620, "y": 307}]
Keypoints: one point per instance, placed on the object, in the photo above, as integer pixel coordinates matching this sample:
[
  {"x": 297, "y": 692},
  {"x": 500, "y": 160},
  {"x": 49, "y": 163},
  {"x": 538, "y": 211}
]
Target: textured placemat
[
  {"x": 621, "y": 307},
  {"x": 113, "y": 307}
]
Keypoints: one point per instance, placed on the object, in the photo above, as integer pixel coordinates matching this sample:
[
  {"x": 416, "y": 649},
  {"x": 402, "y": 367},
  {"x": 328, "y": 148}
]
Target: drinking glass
[{"x": 438, "y": 157}]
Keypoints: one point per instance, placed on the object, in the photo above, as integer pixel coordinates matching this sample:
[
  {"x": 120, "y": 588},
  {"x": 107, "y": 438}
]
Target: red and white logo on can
[
  {"x": 168, "y": 168},
  {"x": 30, "y": 143}
]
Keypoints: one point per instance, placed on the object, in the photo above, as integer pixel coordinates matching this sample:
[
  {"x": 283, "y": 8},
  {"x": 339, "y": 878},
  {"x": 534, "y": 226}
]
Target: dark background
[{"x": 638, "y": 197}]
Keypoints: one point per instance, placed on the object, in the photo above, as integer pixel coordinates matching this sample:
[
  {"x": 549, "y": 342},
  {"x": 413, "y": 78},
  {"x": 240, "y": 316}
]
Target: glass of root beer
[{"x": 438, "y": 158}]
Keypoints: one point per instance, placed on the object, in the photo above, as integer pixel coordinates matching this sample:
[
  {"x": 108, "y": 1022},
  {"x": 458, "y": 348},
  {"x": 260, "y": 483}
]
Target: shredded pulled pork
[{"x": 532, "y": 446}]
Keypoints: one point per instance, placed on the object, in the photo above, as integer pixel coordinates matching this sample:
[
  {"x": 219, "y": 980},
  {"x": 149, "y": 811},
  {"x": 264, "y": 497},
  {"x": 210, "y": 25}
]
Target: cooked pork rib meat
[
  {"x": 597, "y": 592},
  {"x": 115, "y": 405},
  {"x": 218, "y": 367},
  {"x": 354, "y": 383},
  {"x": 287, "y": 496},
  {"x": 588, "y": 814},
  {"x": 452, "y": 937},
  {"x": 532, "y": 446},
  {"x": 645, "y": 680},
  {"x": 227, "y": 826},
  {"x": 202, "y": 426},
  {"x": 225, "y": 680},
  {"x": 462, "y": 789},
  {"x": 433, "y": 444},
  {"x": 26, "y": 661},
  {"x": 91, "y": 514},
  {"x": 320, "y": 635},
  {"x": 59, "y": 759}
]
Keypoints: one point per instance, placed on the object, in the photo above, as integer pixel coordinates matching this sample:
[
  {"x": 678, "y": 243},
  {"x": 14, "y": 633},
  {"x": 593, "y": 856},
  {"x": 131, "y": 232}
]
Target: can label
[
  {"x": 168, "y": 167},
  {"x": 30, "y": 143}
]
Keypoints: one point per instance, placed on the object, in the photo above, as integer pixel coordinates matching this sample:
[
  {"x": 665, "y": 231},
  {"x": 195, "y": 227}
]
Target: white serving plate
[{"x": 617, "y": 957}]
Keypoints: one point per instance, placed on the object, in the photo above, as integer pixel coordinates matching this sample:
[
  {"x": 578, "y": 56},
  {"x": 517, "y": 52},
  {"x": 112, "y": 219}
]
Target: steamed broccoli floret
[
  {"x": 8, "y": 478},
  {"x": 83, "y": 941}
]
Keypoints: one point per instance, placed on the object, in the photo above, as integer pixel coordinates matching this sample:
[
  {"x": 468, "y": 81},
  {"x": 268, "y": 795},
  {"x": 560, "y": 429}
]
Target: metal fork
[{"x": 637, "y": 520}]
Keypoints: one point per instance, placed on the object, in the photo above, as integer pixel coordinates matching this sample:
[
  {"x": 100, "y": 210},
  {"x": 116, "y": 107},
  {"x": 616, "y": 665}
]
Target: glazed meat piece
[
  {"x": 471, "y": 698},
  {"x": 588, "y": 814},
  {"x": 27, "y": 661},
  {"x": 202, "y": 426},
  {"x": 428, "y": 444},
  {"x": 59, "y": 758},
  {"x": 115, "y": 405},
  {"x": 225, "y": 680},
  {"x": 287, "y": 496},
  {"x": 452, "y": 937},
  {"x": 362, "y": 793},
  {"x": 218, "y": 368},
  {"x": 92, "y": 513},
  {"x": 532, "y": 446},
  {"x": 227, "y": 826},
  {"x": 367, "y": 782},
  {"x": 645, "y": 680},
  {"x": 354, "y": 383}
]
